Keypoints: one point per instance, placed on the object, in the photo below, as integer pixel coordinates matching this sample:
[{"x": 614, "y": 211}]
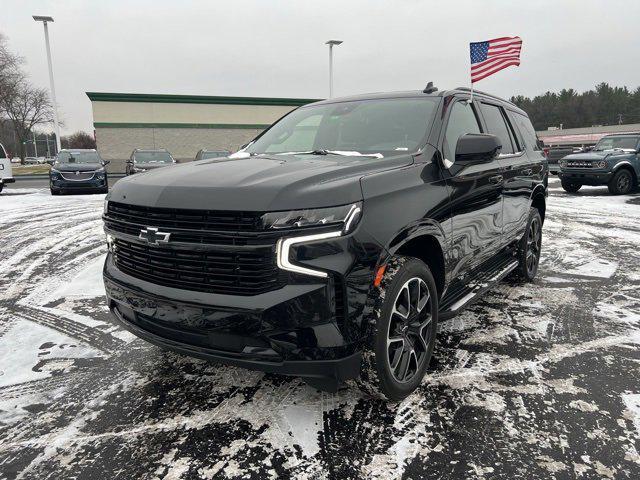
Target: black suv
[
  {"x": 142, "y": 160},
  {"x": 330, "y": 246},
  {"x": 78, "y": 170}
]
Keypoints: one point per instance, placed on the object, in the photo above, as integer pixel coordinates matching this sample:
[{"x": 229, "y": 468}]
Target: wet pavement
[{"x": 536, "y": 380}]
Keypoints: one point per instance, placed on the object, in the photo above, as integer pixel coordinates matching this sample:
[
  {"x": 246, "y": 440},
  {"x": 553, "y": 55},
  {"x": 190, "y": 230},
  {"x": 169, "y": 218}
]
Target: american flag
[{"x": 492, "y": 56}]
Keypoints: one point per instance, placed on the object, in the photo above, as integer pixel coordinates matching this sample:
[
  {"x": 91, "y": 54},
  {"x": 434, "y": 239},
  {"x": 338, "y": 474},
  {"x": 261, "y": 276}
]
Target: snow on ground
[{"x": 535, "y": 381}]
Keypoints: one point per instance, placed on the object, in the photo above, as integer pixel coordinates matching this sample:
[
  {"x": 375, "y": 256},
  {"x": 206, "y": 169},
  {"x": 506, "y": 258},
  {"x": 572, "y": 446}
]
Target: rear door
[
  {"x": 475, "y": 192},
  {"x": 518, "y": 170}
]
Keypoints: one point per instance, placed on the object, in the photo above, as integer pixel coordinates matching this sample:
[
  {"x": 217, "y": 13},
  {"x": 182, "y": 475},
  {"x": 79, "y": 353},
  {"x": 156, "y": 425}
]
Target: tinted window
[
  {"x": 609, "y": 143},
  {"x": 78, "y": 157},
  {"x": 462, "y": 120},
  {"x": 384, "y": 126},
  {"x": 527, "y": 132},
  {"x": 497, "y": 126},
  {"x": 152, "y": 157},
  {"x": 206, "y": 155},
  {"x": 2, "y": 154}
]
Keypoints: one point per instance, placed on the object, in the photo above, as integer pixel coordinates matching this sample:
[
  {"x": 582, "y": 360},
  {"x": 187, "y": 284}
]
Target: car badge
[{"x": 153, "y": 237}]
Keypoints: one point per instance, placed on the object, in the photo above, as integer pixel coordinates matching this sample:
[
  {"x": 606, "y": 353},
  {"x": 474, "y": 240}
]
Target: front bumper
[
  {"x": 7, "y": 180},
  {"x": 60, "y": 184},
  {"x": 292, "y": 331},
  {"x": 586, "y": 177}
]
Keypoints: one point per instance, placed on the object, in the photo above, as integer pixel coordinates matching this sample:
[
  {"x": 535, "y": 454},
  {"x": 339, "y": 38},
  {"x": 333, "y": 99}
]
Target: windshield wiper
[{"x": 333, "y": 152}]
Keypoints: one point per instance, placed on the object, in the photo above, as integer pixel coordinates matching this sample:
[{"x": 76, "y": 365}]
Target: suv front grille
[
  {"x": 579, "y": 164},
  {"x": 76, "y": 177},
  {"x": 243, "y": 272}
]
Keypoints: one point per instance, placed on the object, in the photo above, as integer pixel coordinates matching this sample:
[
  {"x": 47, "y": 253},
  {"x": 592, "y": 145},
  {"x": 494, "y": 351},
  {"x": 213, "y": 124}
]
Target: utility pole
[
  {"x": 619, "y": 119},
  {"x": 331, "y": 43},
  {"x": 35, "y": 144},
  {"x": 56, "y": 124}
]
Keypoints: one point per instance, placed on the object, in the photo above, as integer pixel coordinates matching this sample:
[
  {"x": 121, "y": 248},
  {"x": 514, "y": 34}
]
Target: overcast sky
[{"x": 276, "y": 48}]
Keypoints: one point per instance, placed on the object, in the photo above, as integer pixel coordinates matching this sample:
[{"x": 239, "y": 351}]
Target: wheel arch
[
  {"x": 427, "y": 245},
  {"x": 627, "y": 166},
  {"x": 539, "y": 201}
]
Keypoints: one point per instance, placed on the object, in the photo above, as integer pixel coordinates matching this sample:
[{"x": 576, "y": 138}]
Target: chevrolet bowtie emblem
[{"x": 153, "y": 236}]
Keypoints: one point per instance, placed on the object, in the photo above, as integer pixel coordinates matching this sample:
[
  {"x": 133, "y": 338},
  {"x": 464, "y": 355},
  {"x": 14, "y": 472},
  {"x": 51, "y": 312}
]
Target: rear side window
[
  {"x": 523, "y": 124},
  {"x": 462, "y": 120},
  {"x": 498, "y": 126},
  {"x": 2, "y": 154}
]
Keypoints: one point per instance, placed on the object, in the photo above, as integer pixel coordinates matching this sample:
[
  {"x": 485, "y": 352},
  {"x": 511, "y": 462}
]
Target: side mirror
[
  {"x": 50, "y": 161},
  {"x": 474, "y": 148},
  {"x": 106, "y": 162}
]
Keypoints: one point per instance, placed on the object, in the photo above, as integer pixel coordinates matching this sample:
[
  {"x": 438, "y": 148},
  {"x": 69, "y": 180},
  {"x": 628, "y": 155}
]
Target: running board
[{"x": 470, "y": 293}]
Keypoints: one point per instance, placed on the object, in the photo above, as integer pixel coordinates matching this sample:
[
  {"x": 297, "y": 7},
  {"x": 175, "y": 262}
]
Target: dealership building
[{"x": 183, "y": 124}]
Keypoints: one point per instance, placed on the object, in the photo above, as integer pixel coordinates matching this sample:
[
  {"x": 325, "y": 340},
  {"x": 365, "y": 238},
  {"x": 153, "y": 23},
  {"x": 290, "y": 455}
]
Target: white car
[{"x": 6, "y": 173}]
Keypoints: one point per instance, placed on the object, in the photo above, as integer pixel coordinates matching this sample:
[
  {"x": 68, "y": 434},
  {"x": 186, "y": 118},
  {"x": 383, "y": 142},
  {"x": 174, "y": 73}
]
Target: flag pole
[{"x": 471, "y": 97}]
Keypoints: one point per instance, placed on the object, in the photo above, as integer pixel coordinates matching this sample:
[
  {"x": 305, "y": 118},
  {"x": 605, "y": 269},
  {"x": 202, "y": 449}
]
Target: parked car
[
  {"x": 32, "y": 160},
  {"x": 142, "y": 160},
  {"x": 337, "y": 240},
  {"x": 204, "y": 154},
  {"x": 78, "y": 170},
  {"x": 6, "y": 173},
  {"x": 614, "y": 162},
  {"x": 555, "y": 154}
]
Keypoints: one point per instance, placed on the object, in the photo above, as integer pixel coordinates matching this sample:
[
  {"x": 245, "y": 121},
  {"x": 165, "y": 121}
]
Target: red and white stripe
[{"x": 503, "y": 52}]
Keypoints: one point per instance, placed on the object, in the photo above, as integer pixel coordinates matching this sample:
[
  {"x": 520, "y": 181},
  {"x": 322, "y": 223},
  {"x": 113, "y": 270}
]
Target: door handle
[{"x": 496, "y": 179}]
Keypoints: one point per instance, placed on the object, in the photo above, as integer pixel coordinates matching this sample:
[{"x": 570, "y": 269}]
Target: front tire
[
  {"x": 571, "y": 187},
  {"x": 530, "y": 247},
  {"x": 621, "y": 183},
  {"x": 402, "y": 330}
]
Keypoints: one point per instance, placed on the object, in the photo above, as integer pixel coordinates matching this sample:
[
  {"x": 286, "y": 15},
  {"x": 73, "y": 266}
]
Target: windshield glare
[
  {"x": 206, "y": 155},
  {"x": 386, "y": 126},
  {"x": 78, "y": 157},
  {"x": 628, "y": 143},
  {"x": 152, "y": 157}
]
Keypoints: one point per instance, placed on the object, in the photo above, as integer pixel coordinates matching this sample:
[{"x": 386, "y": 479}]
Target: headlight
[
  {"x": 345, "y": 216},
  {"x": 563, "y": 163},
  {"x": 54, "y": 173},
  {"x": 105, "y": 209},
  {"x": 601, "y": 164}
]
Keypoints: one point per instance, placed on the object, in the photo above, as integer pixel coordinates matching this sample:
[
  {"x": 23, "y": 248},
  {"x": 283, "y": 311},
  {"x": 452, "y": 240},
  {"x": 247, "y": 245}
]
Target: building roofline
[{"x": 205, "y": 99}]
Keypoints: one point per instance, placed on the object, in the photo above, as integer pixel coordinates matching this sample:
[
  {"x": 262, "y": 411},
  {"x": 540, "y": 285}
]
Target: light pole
[
  {"x": 44, "y": 21},
  {"x": 331, "y": 43}
]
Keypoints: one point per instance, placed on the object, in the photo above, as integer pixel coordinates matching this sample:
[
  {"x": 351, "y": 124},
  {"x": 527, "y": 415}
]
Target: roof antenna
[{"x": 430, "y": 88}]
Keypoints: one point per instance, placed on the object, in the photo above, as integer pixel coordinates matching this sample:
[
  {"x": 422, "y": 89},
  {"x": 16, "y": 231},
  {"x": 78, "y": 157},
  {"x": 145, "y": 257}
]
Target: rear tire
[
  {"x": 401, "y": 330},
  {"x": 621, "y": 183},
  {"x": 1, "y": 186},
  {"x": 55, "y": 192},
  {"x": 530, "y": 247},
  {"x": 571, "y": 187}
]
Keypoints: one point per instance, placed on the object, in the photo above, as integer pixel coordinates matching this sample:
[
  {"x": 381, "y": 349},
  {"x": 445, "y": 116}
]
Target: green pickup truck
[{"x": 614, "y": 161}]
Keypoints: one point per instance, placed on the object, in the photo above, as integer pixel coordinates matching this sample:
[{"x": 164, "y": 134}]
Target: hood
[
  {"x": 259, "y": 183},
  {"x": 595, "y": 156},
  {"x": 77, "y": 167}
]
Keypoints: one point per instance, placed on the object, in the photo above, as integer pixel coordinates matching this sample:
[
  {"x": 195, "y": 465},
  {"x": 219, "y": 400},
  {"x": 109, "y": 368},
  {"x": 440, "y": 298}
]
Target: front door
[{"x": 475, "y": 192}]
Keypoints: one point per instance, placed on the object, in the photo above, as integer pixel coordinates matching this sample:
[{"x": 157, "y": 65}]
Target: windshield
[
  {"x": 152, "y": 157},
  {"x": 609, "y": 143},
  {"x": 78, "y": 157},
  {"x": 206, "y": 155},
  {"x": 383, "y": 127}
]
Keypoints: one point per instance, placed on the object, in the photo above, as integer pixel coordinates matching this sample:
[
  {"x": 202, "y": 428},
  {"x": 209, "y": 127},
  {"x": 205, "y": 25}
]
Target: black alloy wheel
[{"x": 408, "y": 335}]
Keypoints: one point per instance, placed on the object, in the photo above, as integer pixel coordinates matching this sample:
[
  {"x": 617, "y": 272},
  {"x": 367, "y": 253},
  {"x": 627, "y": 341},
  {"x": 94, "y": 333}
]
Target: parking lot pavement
[{"x": 535, "y": 381}]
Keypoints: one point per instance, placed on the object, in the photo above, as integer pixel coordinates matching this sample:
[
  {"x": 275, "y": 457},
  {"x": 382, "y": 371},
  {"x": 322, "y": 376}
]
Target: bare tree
[
  {"x": 26, "y": 108},
  {"x": 78, "y": 140},
  {"x": 11, "y": 74}
]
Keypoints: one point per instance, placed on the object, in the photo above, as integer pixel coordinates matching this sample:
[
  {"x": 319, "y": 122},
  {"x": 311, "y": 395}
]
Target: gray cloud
[{"x": 276, "y": 48}]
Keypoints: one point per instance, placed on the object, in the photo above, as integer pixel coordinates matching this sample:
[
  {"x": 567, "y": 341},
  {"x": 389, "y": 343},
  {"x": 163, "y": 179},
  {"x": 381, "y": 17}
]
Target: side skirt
[{"x": 463, "y": 296}]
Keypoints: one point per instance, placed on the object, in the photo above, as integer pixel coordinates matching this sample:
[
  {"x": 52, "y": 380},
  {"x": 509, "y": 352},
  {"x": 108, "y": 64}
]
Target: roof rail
[{"x": 467, "y": 89}]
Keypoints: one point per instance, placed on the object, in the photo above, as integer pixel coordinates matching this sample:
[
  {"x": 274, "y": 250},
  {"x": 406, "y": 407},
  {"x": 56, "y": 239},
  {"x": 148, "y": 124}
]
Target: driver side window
[{"x": 462, "y": 120}]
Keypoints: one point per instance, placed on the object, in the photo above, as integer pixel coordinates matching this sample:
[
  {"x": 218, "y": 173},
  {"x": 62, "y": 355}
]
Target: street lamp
[
  {"x": 44, "y": 21},
  {"x": 331, "y": 43}
]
